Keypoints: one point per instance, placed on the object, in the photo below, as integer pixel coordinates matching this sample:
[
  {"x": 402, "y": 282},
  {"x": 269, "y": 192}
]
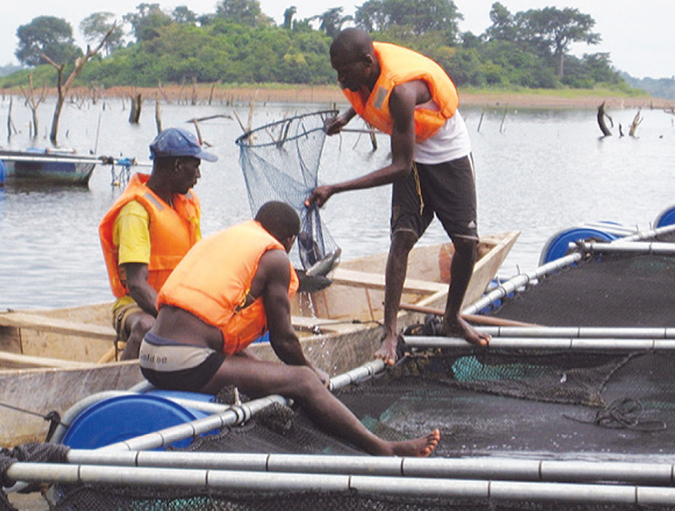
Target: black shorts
[{"x": 447, "y": 190}]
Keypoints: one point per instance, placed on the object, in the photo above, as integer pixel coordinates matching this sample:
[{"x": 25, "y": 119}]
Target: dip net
[
  {"x": 280, "y": 161},
  {"x": 592, "y": 405}
]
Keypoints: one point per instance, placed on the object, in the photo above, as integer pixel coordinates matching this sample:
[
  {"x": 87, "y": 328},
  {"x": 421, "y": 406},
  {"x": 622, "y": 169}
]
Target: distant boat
[{"x": 46, "y": 166}]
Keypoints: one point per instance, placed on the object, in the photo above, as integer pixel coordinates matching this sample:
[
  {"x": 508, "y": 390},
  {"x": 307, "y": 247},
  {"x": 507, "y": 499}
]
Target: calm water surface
[{"x": 538, "y": 171}]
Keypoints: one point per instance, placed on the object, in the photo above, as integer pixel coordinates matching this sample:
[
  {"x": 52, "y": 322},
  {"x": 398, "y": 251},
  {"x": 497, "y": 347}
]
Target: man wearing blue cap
[{"x": 149, "y": 229}]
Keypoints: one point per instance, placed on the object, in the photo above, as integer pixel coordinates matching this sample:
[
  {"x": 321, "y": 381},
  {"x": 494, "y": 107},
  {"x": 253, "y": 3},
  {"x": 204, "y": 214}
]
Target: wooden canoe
[{"x": 49, "y": 359}]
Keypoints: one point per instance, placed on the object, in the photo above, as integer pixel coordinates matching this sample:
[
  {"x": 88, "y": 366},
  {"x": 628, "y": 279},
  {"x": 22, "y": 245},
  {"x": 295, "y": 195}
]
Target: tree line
[{"x": 238, "y": 44}]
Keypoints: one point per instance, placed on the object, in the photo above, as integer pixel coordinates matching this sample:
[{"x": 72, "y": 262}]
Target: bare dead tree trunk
[
  {"x": 213, "y": 86},
  {"x": 637, "y": 120},
  {"x": 64, "y": 88},
  {"x": 195, "y": 122},
  {"x": 158, "y": 115},
  {"x": 163, "y": 93},
  {"x": 193, "y": 101},
  {"x": 601, "y": 120},
  {"x": 10, "y": 124},
  {"x": 33, "y": 103},
  {"x": 135, "y": 113}
]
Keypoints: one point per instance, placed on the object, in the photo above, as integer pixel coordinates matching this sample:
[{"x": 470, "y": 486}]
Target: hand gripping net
[{"x": 280, "y": 162}]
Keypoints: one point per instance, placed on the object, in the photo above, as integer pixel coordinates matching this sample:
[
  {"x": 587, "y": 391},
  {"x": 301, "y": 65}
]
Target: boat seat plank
[
  {"x": 60, "y": 326},
  {"x": 17, "y": 360},
  {"x": 376, "y": 281},
  {"x": 307, "y": 322}
]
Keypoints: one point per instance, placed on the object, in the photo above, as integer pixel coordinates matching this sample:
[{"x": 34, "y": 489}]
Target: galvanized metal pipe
[
  {"x": 73, "y": 412},
  {"x": 360, "y": 373},
  {"x": 627, "y": 247},
  {"x": 581, "y": 332},
  {"x": 389, "y": 486},
  {"x": 651, "y": 233},
  {"x": 235, "y": 414},
  {"x": 493, "y": 468},
  {"x": 517, "y": 282},
  {"x": 543, "y": 343}
]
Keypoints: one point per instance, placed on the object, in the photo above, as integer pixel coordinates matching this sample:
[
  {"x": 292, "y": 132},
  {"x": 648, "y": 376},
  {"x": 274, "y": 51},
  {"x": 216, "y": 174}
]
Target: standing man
[
  {"x": 149, "y": 229},
  {"x": 410, "y": 97},
  {"x": 227, "y": 291}
]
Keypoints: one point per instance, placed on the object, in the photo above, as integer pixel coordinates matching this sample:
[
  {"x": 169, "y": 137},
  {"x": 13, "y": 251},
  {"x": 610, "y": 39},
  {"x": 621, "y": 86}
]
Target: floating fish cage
[
  {"x": 526, "y": 428},
  {"x": 575, "y": 411}
]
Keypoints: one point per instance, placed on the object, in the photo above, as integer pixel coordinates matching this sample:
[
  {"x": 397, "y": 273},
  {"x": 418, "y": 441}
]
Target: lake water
[{"x": 538, "y": 171}]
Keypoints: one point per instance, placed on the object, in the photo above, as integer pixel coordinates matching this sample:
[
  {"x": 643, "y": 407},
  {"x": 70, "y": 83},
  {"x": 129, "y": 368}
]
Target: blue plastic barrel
[
  {"x": 666, "y": 217},
  {"x": 121, "y": 418},
  {"x": 3, "y": 173},
  {"x": 558, "y": 245}
]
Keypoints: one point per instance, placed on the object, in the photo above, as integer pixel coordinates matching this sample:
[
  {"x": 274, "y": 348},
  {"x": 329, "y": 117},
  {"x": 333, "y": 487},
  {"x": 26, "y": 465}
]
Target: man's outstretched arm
[{"x": 402, "y": 107}]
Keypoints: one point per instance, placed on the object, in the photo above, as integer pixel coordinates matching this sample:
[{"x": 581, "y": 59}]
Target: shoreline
[{"x": 331, "y": 95}]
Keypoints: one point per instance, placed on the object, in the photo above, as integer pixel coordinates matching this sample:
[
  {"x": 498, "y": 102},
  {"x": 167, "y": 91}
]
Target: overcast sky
[{"x": 638, "y": 35}]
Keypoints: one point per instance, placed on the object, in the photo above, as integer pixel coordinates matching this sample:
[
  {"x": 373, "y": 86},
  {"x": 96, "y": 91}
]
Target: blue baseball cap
[{"x": 176, "y": 142}]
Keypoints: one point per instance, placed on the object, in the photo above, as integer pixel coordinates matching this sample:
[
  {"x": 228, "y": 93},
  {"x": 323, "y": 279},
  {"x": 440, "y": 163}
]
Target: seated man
[
  {"x": 149, "y": 229},
  {"x": 227, "y": 291}
]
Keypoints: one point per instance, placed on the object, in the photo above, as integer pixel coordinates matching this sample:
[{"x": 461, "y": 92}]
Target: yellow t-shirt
[{"x": 131, "y": 234}]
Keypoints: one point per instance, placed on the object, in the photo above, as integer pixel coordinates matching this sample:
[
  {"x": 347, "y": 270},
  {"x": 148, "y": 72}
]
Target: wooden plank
[
  {"x": 307, "y": 322},
  {"x": 60, "y": 326},
  {"x": 19, "y": 361},
  {"x": 10, "y": 340},
  {"x": 473, "y": 318},
  {"x": 376, "y": 281}
]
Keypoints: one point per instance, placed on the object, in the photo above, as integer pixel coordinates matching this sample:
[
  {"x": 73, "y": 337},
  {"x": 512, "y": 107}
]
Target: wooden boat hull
[
  {"x": 49, "y": 358},
  {"x": 27, "y": 167}
]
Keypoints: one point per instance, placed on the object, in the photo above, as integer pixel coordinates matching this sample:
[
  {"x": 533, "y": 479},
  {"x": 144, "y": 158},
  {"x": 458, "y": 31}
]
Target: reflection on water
[{"x": 541, "y": 172}]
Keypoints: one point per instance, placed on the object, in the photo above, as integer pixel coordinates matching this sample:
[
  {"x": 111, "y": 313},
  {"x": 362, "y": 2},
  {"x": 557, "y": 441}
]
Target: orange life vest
[
  {"x": 399, "y": 65},
  {"x": 173, "y": 231},
  {"x": 214, "y": 278}
]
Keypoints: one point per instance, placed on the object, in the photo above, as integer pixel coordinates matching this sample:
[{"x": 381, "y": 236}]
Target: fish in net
[{"x": 280, "y": 161}]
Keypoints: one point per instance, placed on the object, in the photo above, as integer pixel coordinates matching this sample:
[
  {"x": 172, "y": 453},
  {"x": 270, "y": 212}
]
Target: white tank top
[{"x": 449, "y": 143}]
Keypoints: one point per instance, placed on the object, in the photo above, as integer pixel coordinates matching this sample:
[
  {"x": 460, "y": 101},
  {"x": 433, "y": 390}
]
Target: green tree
[
  {"x": 599, "y": 66},
  {"x": 147, "y": 22},
  {"x": 49, "y": 36},
  {"x": 332, "y": 21},
  {"x": 503, "y": 26},
  {"x": 244, "y": 12},
  {"x": 288, "y": 17},
  {"x": 555, "y": 30},
  {"x": 181, "y": 14},
  {"x": 421, "y": 16},
  {"x": 95, "y": 26}
]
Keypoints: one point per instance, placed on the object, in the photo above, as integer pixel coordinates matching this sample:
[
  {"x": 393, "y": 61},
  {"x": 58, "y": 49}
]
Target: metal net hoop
[{"x": 280, "y": 161}]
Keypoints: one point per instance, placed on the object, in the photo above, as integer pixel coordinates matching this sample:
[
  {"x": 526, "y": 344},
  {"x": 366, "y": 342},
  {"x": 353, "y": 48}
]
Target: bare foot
[
  {"x": 461, "y": 328},
  {"x": 387, "y": 350},
  {"x": 418, "y": 447}
]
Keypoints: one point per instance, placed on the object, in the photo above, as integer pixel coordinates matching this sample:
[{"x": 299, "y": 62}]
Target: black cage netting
[
  {"x": 280, "y": 161},
  {"x": 604, "y": 405}
]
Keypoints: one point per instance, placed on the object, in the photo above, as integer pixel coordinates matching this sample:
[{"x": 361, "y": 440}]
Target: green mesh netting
[{"x": 280, "y": 161}]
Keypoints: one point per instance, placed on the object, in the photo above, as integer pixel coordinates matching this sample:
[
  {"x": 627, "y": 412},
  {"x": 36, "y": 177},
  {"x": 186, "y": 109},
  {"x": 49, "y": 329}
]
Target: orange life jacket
[
  {"x": 173, "y": 231},
  {"x": 399, "y": 65},
  {"x": 214, "y": 278}
]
